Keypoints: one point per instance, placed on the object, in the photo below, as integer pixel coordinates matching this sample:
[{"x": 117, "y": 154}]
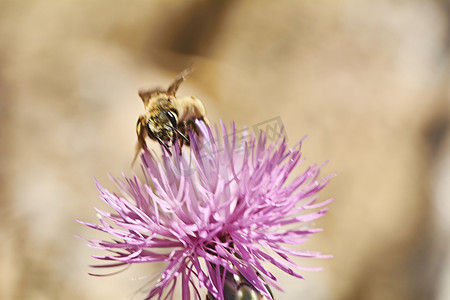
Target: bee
[{"x": 167, "y": 118}]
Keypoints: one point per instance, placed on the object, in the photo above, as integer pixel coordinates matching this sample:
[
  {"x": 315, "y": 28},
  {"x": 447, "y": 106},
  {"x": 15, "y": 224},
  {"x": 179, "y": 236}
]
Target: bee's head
[{"x": 162, "y": 126}]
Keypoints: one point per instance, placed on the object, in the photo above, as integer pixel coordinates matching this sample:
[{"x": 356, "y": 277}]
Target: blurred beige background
[{"x": 366, "y": 80}]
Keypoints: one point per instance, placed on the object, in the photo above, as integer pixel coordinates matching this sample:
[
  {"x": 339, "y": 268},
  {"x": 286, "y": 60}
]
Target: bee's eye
[{"x": 172, "y": 118}]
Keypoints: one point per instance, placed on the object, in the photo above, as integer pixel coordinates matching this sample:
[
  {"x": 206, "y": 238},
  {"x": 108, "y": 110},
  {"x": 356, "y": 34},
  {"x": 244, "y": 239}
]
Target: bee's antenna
[
  {"x": 182, "y": 135},
  {"x": 164, "y": 145},
  {"x": 138, "y": 151}
]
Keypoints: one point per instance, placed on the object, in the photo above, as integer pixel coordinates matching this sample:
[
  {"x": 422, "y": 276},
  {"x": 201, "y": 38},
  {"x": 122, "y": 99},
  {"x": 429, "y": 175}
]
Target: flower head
[{"x": 222, "y": 208}]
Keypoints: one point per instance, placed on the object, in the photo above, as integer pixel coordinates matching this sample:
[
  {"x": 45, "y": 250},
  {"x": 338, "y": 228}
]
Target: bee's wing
[
  {"x": 178, "y": 80},
  {"x": 146, "y": 94}
]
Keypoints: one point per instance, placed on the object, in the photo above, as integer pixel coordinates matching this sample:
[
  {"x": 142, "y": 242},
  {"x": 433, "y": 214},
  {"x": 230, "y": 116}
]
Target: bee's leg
[
  {"x": 140, "y": 131},
  {"x": 182, "y": 129},
  {"x": 205, "y": 120},
  {"x": 192, "y": 127}
]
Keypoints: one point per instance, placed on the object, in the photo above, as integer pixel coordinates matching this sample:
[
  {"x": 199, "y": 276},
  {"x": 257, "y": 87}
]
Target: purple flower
[{"x": 222, "y": 209}]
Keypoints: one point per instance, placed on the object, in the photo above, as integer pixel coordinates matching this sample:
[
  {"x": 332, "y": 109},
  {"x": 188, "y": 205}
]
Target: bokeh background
[{"x": 368, "y": 81}]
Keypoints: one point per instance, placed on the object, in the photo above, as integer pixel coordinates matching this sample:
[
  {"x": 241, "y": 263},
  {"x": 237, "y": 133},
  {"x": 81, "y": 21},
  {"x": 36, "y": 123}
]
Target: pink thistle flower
[{"x": 216, "y": 214}]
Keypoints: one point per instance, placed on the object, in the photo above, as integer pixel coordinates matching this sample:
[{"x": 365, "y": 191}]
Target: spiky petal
[{"x": 222, "y": 208}]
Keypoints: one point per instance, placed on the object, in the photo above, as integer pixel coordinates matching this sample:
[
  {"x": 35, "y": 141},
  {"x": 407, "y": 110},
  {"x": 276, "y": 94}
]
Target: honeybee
[{"x": 167, "y": 118}]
